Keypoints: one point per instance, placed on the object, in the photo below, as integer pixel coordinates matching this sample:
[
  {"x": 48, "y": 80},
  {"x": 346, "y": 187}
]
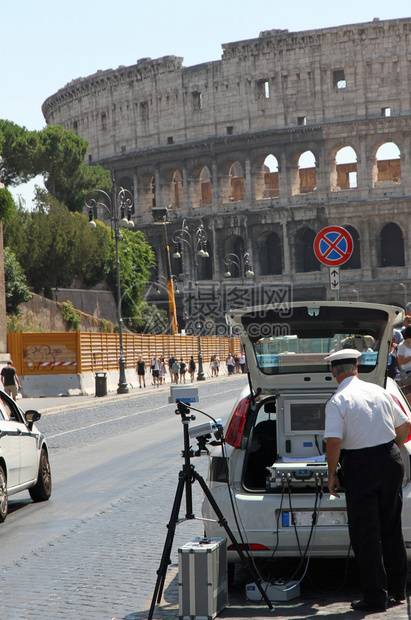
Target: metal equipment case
[{"x": 202, "y": 578}]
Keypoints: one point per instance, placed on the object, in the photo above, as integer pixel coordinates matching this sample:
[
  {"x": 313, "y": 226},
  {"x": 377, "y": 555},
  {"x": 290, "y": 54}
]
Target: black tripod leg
[
  {"x": 223, "y": 522},
  {"x": 165, "y": 558}
]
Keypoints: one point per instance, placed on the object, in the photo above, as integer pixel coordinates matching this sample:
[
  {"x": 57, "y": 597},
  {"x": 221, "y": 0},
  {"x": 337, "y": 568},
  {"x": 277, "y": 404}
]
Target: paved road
[
  {"x": 92, "y": 552},
  {"x": 99, "y": 561}
]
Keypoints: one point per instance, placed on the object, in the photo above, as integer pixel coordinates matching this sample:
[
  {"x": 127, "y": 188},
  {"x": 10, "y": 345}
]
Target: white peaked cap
[{"x": 343, "y": 356}]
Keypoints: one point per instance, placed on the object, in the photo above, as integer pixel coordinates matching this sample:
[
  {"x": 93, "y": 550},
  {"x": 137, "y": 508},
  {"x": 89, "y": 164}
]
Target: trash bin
[{"x": 101, "y": 383}]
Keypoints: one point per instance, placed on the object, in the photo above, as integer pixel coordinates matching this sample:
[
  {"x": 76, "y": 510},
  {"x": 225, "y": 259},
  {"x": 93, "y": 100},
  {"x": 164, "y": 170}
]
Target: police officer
[{"x": 364, "y": 421}]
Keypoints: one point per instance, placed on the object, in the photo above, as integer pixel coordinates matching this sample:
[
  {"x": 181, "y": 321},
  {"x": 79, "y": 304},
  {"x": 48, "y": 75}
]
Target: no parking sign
[{"x": 333, "y": 246}]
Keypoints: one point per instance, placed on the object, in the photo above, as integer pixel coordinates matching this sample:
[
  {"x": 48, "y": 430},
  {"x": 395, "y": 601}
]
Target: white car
[
  {"x": 24, "y": 457},
  {"x": 272, "y": 487}
]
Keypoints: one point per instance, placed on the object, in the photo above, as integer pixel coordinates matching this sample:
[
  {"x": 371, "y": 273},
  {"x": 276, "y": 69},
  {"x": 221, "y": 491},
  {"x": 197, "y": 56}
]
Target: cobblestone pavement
[{"x": 104, "y": 567}]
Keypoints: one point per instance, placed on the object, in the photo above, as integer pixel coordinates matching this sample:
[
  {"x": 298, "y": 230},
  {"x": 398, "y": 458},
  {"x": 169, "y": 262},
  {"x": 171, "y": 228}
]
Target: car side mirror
[{"x": 32, "y": 416}]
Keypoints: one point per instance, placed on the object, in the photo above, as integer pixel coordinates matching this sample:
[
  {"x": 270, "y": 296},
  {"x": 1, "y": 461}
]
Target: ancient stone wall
[{"x": 281, "y": 137}]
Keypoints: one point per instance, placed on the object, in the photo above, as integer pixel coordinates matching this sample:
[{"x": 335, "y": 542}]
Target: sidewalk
[{"x": 52, "y": 404}]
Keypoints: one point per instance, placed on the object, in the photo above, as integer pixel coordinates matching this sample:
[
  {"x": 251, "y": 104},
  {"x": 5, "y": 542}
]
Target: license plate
[{"x": 305, "y": 518}]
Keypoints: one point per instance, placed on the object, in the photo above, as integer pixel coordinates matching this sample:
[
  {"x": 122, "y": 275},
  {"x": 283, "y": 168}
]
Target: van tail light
[
  {"x": 236, "y": 425},
  {"x": 401, "y": 406},
  {"x": 251, "y": 547}
]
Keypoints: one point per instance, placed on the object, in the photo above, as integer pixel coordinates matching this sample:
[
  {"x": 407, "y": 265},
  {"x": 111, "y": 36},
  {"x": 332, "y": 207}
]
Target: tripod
[{"x": 186, "y": 478}]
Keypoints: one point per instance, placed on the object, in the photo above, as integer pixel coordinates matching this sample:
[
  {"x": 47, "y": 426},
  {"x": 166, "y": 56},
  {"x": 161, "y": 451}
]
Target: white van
[{"x": 271, "y": 480}]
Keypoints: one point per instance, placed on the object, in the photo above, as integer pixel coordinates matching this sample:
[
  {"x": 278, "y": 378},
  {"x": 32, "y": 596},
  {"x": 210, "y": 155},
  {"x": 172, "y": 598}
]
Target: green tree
[
  {"x": 86, "y": 178},
  {"x": 56, "y": 246},
  {"x": 136, "y": 261},
  {"x": 150, "y": 319},
  {"x": 58, "y": 157},
  {"x": 55, "y": 153},
  {"x": 17, "y": 291},
  {"x": 7, "y": 205},
  {"x": 18, "y": 147}
]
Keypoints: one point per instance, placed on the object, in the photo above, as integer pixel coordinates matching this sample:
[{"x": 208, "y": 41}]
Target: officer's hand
[{"x": 333, "y": 484}]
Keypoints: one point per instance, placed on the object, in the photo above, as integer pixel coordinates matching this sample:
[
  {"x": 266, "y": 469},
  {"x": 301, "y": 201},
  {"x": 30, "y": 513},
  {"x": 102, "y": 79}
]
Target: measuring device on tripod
[{"x": 186, "y": 478}]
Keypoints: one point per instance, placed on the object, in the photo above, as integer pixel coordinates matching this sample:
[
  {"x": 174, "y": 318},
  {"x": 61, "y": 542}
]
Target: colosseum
[{"x": 255, "y": 153}]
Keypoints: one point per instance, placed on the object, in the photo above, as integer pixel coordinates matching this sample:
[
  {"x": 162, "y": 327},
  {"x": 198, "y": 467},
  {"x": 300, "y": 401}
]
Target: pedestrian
[
  {"x": 406, "y": 322},
  {"x": 242, "y": 362},
  {"x": 155, "y": 371},
  {"x": 404, "y": 363},
  {"x": 191, "y": 368},
  {"x": 393, "y": 370},
  {"x": 170, "y": 367},
  {"x": 230, "y": 364},
  {"x": 182, "y": 371},
  {"x": 213, "y": 366},
  {"x": 176, "y": 370},
  {"x": 364, "y": 421},
  {"x": 10, "y": 380},
  {"x": 236, "y": 364},
  {"x": 163, "y": 370},
  {"x": 141, "y": 371},
  {"x": 217, "y": 365}
]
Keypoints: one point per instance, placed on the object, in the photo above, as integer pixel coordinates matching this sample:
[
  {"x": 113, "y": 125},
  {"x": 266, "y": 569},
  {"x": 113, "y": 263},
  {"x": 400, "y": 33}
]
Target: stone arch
[
  {"x": 200, "y": 186},
  {"x": 343, "y": 174},
  {"x": 305, "y": 259},
  {"x": 303, "y": 173},
  {"x": 392, "y": 246},
  {"x": 147, "y": 191},
  {"x": 266, "y": 183},
  {"x": 232, "y": 182},
  {"x": 387, "y": 165},
  {"x": 270, "y": 257},
  {"x": 173, "y": 188},
  {"x": 354, "y": 262}
]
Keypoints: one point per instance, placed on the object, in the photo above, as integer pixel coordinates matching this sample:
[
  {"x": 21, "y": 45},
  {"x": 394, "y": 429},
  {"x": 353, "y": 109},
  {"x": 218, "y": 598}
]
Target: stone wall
[{"x": 42, "y": 314}]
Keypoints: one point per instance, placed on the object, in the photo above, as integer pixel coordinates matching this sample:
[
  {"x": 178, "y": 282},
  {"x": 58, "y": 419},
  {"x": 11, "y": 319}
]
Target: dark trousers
[{"x": 373, "y": 485}]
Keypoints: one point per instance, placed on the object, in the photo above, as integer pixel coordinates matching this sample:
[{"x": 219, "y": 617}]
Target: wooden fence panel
[{"x": 82, "y": 352}]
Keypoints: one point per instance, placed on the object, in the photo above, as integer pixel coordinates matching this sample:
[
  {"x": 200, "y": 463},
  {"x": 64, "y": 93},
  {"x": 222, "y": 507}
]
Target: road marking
[{"x": 123, "y": 417}]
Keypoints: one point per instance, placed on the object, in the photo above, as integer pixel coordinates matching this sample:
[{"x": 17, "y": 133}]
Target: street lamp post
[
  {"x": 196, "y": 243},
  {"x": 118, "y": 209},
  {"x": 242, "y": 264},
  {"x": 244, "y": 267}
]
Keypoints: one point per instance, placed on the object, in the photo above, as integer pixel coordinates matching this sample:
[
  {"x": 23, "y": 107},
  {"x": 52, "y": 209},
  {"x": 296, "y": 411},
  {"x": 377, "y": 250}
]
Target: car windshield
[
  {"x": 298, "y": 343},
  {"x": 290, "y": 354}
]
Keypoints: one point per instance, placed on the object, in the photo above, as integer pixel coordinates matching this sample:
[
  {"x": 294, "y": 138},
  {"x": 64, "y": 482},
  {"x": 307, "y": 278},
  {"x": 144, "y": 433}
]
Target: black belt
[{"x": 371, "y": 449}]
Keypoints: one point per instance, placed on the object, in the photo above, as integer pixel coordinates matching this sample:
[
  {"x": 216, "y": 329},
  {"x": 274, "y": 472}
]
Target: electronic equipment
[
  {"x": 298, "y": 474},
  {"x": 301, "y": 423},
  {"x": 205, "y": 429},
  {"x": 277, "y": 591},
  {"x": 183, "y": 393}
]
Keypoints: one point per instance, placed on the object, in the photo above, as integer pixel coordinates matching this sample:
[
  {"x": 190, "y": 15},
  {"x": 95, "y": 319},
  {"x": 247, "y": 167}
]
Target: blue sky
[{"x": 47, "y": 43}]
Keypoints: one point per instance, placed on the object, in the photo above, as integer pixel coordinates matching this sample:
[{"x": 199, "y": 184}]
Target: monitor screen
[{"x": 306, "y": 417}]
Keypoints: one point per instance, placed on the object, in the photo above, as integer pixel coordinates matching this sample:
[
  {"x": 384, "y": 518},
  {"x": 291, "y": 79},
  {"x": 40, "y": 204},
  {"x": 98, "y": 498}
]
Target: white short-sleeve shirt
[
  {"x": 362, "y": 415},
  {"x": 405, "y": 351}
]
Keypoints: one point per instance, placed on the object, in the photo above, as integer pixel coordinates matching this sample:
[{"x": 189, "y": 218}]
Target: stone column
[
  {"x": 215, "y": 188},
  {"x": 159, "y": 189},
  {"x": 186, "y": 189},
  {"x": 248, "y": 193},
  {"x": 286, "y": 249}
]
